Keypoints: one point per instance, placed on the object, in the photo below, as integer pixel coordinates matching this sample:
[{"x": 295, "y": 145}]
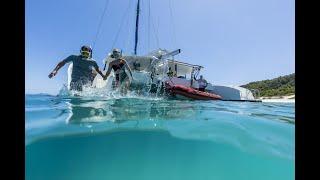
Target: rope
[{"x": 100, "y": 23}]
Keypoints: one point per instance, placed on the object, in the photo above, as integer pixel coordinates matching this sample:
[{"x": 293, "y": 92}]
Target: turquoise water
[{"x": 153, "y": 138}]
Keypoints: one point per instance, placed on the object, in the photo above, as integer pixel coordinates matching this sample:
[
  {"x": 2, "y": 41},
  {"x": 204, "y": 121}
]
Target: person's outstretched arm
[
  {"x": 60, "y": 65},
  {"x": 108, "y": 72},
  {"x": 56, "y": 69},
  {"x": 96, "y": 67},
  {"x": 98, "y": 70}
]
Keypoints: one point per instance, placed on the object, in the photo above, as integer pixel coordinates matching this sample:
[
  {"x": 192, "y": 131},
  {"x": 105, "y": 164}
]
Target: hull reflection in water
[{"x": 121, "y": 110}]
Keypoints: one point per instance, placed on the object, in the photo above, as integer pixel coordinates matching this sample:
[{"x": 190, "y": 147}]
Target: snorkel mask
[
  {"x": 86, "y": 51},
  {"x": 116, "y": 53}
]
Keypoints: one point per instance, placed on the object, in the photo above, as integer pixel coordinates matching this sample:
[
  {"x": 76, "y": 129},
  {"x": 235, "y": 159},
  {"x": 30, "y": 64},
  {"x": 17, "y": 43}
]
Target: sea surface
[{"x": 153, "y": 138}]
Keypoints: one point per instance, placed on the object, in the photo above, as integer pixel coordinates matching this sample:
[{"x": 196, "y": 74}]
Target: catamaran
[{"x": 159, "y": 73}]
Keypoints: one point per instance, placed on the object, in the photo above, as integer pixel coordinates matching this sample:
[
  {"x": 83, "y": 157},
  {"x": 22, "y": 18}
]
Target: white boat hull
[{"x": 232, "y": 93}]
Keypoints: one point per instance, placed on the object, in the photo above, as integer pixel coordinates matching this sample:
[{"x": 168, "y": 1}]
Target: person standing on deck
[
  {"x": 82, "y": 72},
  {"x": 118, "y": 66},
  {"x": 170, "y": 72},
  {"x": 202, "y": 84}
]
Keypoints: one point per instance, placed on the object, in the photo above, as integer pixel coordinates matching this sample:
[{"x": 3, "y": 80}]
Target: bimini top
[
  {"x": 182, "y": 68},
  {"x": 179, "y": 63}
]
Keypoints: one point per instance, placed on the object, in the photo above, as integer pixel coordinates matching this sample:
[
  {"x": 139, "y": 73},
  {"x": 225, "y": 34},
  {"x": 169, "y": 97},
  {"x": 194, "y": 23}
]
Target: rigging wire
[
  {"x": 155, "y": 33},
  {"x": 122, "y": 20},
  {"x": 148, "y": 25},
  {"x": 100, "y": 23},
  {"x": 173, "y": 25},
  {"x": 144, "y": 19},
  {"x": 129, "y": 24}
]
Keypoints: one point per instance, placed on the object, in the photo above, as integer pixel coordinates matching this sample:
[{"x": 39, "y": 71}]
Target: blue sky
[{"x": 237, "y": 41}]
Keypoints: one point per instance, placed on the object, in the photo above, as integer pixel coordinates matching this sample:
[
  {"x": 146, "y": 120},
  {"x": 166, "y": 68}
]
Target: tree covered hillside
[{"x": 281, "y": 86}]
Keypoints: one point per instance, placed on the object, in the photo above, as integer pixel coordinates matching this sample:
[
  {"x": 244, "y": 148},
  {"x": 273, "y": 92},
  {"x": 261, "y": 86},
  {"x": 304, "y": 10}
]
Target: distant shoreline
[{"x": 280, "y": 99}]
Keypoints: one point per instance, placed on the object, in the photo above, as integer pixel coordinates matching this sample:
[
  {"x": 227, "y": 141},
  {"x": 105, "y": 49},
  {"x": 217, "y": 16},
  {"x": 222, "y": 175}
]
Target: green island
[{"x": 280, "y": 86}]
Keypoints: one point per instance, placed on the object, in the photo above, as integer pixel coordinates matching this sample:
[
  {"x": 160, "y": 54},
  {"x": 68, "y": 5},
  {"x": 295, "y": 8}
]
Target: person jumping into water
[
  {"x": 118, "y": 65},
  {"x": 82, "y": 68}
]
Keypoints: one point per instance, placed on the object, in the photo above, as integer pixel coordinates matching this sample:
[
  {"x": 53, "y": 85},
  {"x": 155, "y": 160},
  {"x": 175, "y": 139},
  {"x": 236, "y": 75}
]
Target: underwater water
[{"x": 82, "y": 138}]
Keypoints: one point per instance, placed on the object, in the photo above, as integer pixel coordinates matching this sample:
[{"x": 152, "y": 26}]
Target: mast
[{"x": 137, "y": 26}]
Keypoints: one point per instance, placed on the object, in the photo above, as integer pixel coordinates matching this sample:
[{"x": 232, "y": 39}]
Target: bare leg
[{"x": 125, "y": 86}]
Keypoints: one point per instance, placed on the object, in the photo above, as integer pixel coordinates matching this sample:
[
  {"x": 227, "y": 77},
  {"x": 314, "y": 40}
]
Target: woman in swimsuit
[{"x": 119, "y": 65}]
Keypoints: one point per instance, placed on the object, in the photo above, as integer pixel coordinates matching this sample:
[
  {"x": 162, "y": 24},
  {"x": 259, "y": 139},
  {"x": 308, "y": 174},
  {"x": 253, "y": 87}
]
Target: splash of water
[
  {"x": 107, "y": 93},
  {"x": 147, "y": 83}
]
